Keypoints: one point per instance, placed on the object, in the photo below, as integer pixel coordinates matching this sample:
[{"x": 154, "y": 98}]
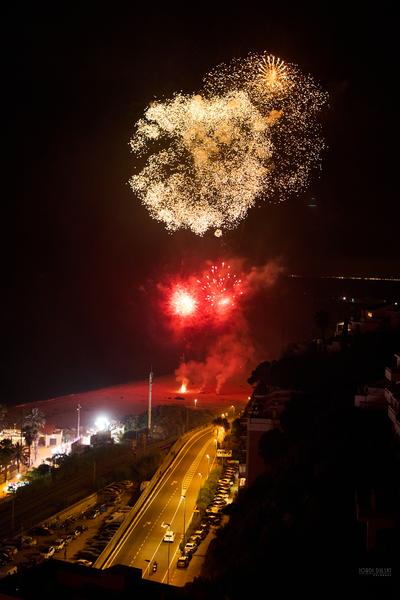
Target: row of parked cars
[
  {"x": 43, "y": 541},
  {"x": 213, "y": 516},
  {"x": 222, "y": 493},
  {"x": 111, "y": 495}
]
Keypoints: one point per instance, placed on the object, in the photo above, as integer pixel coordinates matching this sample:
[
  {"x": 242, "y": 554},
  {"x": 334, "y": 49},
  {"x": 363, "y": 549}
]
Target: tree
[
  {"x": 20, "y": 455},
  {"x": 6, "y": 455},
  {"x": 260, "y": 374},
  {"x": 32, "y": 424}
]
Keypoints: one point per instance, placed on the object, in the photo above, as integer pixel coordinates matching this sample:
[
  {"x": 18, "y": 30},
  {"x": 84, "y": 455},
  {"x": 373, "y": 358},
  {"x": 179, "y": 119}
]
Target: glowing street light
[
  {"x": 195, "y": 402},
  {"x": 208, "y": 464},
  {"x": 102, "y": 422}
]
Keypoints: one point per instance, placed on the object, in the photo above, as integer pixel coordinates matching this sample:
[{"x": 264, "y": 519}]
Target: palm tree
[
  {"x": 31, "y": 426},
  {"x": 6, "y": 455},
  {"x": 20, "y": 455}
]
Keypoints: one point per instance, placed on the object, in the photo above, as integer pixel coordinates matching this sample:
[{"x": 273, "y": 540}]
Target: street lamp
[
  {"x": 208, "y": 466},
  {"x": 183, "y": 496},
  {"x": 233, "y": 410},
  {"x": 148, "y": 566},
  {"x": 195, "y": 402},
  {"x": 169, "y": 543},
  {"x": 78, "y": 409}
]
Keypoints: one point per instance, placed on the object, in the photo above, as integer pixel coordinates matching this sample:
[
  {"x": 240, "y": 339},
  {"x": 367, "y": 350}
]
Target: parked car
[
  {"x": 9, "y": 549},
  {"x": 183, "y": 561},
  {"x": 27, "y": 541},
  {"x": 81, "y": 528},
  {"x": 84, "y": 561},
  {"x": 5, "y": 558},
  {"x": 47, "y": 551},
  {"x": 87, "y": 555},
  {"x": 59, "y": 544},
  {"x": 68, "y": 538},
  {"x": 8, "y": 570},
  {"x": 41, "y": 530},
  {"x": 190, "y": 548},
  {"x": 201, "y": 533}
]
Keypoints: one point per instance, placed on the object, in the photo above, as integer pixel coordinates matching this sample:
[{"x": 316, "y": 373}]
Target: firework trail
[{"x": 252, "y": 133}]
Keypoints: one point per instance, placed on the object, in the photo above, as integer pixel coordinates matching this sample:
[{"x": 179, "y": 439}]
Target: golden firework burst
[
  {"x": 251, "y": 132},
  {"x": 273, "y": 72}
]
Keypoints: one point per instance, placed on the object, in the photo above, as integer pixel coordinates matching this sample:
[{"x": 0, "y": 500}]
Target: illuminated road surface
[{"x": 145, "y": 542}]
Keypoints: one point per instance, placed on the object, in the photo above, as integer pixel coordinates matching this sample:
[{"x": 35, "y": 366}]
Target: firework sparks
[
  {"x": 221, "y": 288},
  {"x": 251, "y": 133},
  {"x": 273, "y": 72},
  {"x": 183, "y": 303}
]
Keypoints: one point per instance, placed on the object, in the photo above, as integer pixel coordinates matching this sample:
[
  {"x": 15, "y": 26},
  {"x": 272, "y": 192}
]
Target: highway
[{"x": 172, "y": 502}]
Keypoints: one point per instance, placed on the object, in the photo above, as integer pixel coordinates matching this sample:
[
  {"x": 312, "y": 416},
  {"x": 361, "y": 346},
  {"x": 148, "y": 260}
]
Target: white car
[
  {"x": 47, "y": 551},
  {"x": 189, "y": 548},
  {"x": 84, "y": 562},
  {"x": 169, "y": 536}
]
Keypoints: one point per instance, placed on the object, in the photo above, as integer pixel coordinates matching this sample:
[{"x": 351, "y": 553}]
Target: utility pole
[
  {"x": 183, "y": 496},
  {"x": 150, "y": 394},
  {"x": 78, "y": 408},
  {"x": 12, "y": 513}
]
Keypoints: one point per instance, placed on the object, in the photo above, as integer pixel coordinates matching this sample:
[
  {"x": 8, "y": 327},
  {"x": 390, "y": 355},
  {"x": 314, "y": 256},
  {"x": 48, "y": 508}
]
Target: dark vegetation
[{"x": 296, "y": 526}]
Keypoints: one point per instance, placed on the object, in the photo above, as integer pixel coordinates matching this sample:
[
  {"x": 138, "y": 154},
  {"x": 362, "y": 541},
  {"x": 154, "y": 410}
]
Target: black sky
[{"x": 77, "y": 80}]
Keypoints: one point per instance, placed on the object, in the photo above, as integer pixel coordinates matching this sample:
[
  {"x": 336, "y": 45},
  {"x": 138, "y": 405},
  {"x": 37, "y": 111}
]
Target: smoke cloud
[{"x": 233, "y": 351}]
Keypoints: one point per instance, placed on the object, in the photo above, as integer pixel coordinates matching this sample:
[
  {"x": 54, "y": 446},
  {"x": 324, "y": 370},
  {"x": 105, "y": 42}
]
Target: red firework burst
[
  {"x": 183, "y": 303},
  {"x": 221, "y": 288}
]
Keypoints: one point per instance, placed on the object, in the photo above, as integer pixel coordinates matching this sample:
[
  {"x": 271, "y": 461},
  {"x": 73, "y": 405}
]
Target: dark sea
[
  {"x": 286, "y": 312},
  {"x": 279, "y": 315}
]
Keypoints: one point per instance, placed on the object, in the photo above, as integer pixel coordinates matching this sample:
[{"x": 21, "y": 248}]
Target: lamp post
[
  {"x": 183, "y": 496},
  {"x": 12, "y": 513},
  {"x": 208, "y": 464},
  {"x": 195, "y": 402},
  {"x": 78, "y": 429},
  {"x": 148, "y": 566},
  {"x": 168, "y": 544},
  {"x": 150, "y": 401}
]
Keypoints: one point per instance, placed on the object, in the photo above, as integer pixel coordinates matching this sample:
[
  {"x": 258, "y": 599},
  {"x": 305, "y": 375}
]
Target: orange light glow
[{"x": 183, "y": 388}]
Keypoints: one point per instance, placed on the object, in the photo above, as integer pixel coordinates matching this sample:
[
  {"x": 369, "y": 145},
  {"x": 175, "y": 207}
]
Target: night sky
[{"x": 77, "y": 80}]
